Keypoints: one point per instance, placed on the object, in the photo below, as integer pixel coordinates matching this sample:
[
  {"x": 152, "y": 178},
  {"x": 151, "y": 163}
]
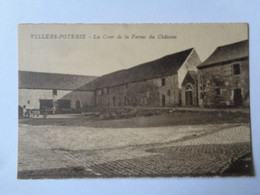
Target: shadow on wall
[
  {"x": 74, "y": 102},
  {"x": 144, "y": 94}
]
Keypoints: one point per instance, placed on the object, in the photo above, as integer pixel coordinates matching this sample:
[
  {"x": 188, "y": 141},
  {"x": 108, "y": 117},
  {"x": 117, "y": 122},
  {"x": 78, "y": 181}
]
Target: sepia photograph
[{"x": 133, "y": 101}]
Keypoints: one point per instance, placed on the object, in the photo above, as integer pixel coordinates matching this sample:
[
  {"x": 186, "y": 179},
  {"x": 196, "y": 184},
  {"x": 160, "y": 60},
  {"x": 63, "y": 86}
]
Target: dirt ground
[{"x": 169, "y": 144}]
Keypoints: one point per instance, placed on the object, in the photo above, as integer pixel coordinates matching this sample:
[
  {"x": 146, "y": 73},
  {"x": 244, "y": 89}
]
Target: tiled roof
[
  {"x": 227, "y": 53},
  {"x": 164, "y": 66},
  {"x": 39, "y": 80}
]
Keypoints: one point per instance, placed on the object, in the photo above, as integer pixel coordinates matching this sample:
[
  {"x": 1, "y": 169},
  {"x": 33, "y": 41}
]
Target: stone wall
[
  {"x": 217, "y": 84},
  {"x": 148, "y": 92},
  {"x": 143, "y": 93},
  {"x": 86, "y": 98}
]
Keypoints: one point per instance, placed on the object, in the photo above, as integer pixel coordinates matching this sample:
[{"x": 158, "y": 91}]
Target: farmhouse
[
  {"x": 55, "y": 92},
  {"x": 155, "y": 83},
  {"x": 223, "y": 78}
]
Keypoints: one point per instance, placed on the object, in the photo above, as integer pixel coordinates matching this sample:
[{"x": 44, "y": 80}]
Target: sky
[{"x": 102, "y": 51}]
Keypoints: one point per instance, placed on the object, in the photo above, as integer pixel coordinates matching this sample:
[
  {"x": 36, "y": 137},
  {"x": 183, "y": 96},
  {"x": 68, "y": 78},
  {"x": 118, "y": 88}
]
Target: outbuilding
[{"x": 223, "y": 78}]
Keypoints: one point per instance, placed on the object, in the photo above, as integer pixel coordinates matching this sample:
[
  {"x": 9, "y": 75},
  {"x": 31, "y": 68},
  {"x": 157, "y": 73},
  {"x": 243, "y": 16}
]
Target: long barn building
[
  {"x": 179, "y": 79},
  {"x": 155, "y": 83},
  {"x": 55, "y": 92}
]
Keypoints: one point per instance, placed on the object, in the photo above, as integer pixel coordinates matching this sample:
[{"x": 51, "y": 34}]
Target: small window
[
  {"x": 28, "y": 102},
  {"x": 163, "y": 81},
  {"x": 169, "y": 92},
  {"x": 107, "y": 90},
  {"x": 218, "y": 91},
  {"x": 236, "y": 69},
  {"x": 126, "y": 85},
  {"x": 54, "y": 92}
]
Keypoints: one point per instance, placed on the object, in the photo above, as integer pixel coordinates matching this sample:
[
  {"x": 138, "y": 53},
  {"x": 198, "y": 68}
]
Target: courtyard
[{"x": 167, "y": 144}]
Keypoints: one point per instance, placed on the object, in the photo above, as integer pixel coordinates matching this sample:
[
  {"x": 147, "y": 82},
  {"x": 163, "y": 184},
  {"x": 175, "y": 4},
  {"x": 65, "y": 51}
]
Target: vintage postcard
[{"x": 133, "y": 100}]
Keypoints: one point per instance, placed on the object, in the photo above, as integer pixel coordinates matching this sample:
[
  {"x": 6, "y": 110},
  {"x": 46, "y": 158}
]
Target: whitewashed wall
[{"x": 31, "y": 97}]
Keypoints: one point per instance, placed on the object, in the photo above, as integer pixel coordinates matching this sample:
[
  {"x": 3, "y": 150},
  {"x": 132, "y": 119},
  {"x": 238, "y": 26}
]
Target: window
[
  {"x": 217, "y": 91},
  {"x": 54, "y": 92},
  {"x": 126, "y": 85},
  {"x": 163, "y": 81},
  {"x": 107, "y": 90},
  {"x": 236, "y": 69},
  {"x": 28, "y": 102},
  {"x": 169, "y": 92}
]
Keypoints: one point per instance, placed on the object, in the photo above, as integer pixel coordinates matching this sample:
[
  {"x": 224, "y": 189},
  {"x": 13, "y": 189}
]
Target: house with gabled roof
[
  {"x": 52, "y": 91},
  {"x": 155, "y": 83},
  {"x": 223, "y": 78}
]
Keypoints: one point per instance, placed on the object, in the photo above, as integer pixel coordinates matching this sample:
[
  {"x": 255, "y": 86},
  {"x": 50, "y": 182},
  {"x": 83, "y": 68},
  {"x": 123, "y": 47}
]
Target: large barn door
[
  {"x": 237, "y": 97},
  {"x": 163, "y": 100}
]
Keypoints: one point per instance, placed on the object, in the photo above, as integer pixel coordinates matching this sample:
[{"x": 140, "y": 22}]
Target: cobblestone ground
[{"x": 66, "y": 152}]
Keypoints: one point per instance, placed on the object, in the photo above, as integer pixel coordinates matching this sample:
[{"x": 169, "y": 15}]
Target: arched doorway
[
  {"x": 237, "y": 97},
  {"x": 188, "y": 95}
]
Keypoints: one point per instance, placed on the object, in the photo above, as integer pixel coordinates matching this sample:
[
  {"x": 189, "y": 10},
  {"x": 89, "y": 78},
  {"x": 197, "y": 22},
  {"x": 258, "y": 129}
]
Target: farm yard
[{"x": 164, "y": 143}]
